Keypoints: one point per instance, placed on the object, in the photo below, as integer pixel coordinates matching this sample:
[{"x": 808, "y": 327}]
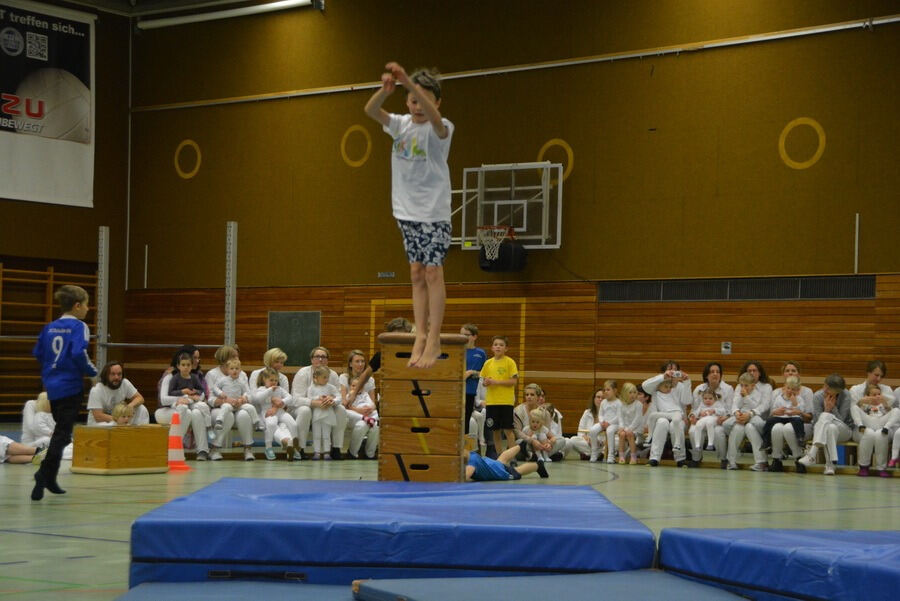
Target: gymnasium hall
[{"x": 673, "y": 235}]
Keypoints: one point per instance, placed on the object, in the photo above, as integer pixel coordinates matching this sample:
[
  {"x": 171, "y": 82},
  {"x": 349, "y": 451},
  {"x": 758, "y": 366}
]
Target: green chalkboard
[{"x": 296, "y": 333}]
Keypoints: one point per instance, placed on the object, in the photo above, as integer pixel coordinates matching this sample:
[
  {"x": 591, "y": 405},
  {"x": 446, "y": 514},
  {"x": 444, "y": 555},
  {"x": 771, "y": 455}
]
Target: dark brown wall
[
  {"x": 29, "y": 229},
  {"x": 676, "y": 165}
]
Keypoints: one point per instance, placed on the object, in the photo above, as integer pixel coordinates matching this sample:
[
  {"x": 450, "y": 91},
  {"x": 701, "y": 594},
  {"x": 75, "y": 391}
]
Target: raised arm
[
  {"x": 373, "y": 106},
  {"x": 429, "y": 107}
]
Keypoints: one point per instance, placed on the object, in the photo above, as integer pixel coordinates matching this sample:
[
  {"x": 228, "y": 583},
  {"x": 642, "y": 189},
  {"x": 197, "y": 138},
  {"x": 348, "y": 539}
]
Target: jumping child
[{"x": 420, "y": 195}]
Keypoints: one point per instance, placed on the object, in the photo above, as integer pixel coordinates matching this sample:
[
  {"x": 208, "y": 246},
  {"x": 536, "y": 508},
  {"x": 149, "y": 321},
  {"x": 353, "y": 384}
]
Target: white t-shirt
[
  {"x": 420, "y": 176},
  {"x": 105, "y": 398}
]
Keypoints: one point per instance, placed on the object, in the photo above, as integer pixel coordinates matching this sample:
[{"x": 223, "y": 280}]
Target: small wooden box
[
  {"x": 422, "y": 435},
  {"x": 420, "y": 468},
  {"x": 421, "y": 398},
  {"x": 395, "y": 353},
  {"x": 121, "y": 449}
]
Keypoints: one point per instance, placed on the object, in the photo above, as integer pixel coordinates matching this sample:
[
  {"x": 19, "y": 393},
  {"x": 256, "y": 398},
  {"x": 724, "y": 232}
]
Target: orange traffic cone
[{"x": 176, "y": 450}]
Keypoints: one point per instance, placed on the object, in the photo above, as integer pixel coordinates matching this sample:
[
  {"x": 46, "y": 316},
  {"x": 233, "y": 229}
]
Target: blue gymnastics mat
[
  {"x": 236, "y": 591},
  {"x": 612, "y": 586},
  {"x": 333, "y": 532},
  {"x": 788, "y": 564}
]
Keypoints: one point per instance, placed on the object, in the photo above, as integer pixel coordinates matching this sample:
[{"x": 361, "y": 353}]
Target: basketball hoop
[{"x": 490, "y": 237}]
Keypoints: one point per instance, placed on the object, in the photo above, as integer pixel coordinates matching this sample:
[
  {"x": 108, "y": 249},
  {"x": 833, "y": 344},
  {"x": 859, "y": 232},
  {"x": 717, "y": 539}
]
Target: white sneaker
[
  {"x": 248, "y": 454},
  {"x": 547, "y": 460},
  {"x": 807, "y": 460},
  {"x": 611, "y": 459},
  {"x": 594, "y": 457},
  {"x": 829, "y": 469},
  {"x": 215, "y": 456}
]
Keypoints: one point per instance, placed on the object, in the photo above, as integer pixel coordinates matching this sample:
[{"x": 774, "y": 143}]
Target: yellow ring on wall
[
  {"x": 365, "y": 157},
  {"x": 178, "y": 169},
  {"x": 569, "y": 155},
  {"x": 820, "y": 132}
]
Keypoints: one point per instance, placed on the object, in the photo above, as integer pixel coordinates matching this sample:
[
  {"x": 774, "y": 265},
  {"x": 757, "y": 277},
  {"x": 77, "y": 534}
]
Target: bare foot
[
  {"x": 429, "y": 355},
  {"x": 417, "y": 350}
]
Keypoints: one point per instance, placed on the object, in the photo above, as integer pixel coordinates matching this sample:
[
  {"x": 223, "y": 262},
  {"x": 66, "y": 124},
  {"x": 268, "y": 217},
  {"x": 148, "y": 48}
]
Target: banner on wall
[{"x": 46, "y": 104}]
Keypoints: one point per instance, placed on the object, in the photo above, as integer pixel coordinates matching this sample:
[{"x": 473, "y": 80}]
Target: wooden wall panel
[{"x": 559, "y": 335}]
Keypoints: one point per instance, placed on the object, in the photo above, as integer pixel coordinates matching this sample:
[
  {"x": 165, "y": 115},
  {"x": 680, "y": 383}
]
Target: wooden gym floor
[{"x": 76, "y": 546}]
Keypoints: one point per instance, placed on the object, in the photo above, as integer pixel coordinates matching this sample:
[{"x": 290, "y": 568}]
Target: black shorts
[{"x": 499, "y": 417}]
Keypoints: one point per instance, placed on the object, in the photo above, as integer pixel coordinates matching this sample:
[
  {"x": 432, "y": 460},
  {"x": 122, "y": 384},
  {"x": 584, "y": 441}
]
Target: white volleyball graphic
[{"x": 66, "y": 105}]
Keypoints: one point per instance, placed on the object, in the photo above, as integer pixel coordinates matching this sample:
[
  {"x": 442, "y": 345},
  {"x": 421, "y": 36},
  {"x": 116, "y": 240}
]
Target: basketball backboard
[{"x": 524, "y": 196}]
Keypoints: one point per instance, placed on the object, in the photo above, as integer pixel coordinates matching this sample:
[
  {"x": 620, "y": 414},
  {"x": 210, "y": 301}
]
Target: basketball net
[{"x": 490, "y": 237}]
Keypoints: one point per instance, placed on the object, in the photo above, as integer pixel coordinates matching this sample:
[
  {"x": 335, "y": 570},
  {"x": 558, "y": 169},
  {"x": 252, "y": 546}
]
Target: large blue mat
[
  {"x": 611, "y": 586},
  {"x": 333, "y": 532},
  {"x": 236, "y": 591},
  {"x": 788, "y": 564}
]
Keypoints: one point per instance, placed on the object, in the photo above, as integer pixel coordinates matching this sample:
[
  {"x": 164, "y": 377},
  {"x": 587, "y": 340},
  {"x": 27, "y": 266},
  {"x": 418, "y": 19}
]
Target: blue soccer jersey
[
  {"x": 61, "y": 350},
  {"x": 475, "y": 358}
]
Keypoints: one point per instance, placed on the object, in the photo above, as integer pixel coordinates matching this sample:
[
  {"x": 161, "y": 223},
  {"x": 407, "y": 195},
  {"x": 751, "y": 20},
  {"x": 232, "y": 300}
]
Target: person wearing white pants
[
  {"x": 304, "y": 405},
  {"x": 243, "y": 419},
  {"x": 670, "y": 393},
  {"x": 708, "y": 414},
  {"x": 873, "y": 419},
  {"x": 831, "y": 422},
  {"x": 791, "y": 410},
  {"x": 362, "y": 413},
  {"x": 712, "y": 380},
  {"x": 749, "y": 411},
  {"x": 182, "y": 392},
  {"x": 271, "y": 400},
  {"x": 610, "y": 417}
]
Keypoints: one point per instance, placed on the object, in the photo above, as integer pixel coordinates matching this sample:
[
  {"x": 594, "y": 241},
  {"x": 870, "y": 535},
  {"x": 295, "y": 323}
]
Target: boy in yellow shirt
[{"x": 499, "y": 376}]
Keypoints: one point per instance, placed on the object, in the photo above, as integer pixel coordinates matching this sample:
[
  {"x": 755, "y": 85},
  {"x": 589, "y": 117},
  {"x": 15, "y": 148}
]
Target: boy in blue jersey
[
  {"x": 62, "y": 351},
  {"x": 483, "y": 469},
  {"x": 475, "y": 358}
]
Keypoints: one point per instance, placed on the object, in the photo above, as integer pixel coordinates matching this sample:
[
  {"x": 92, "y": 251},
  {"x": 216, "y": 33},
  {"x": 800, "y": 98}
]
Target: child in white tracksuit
[
  {"x": 271, "y": 399},
  {"x": 874, "y": 419},
  {"x": 708, "y": 414},
  {"x": 630, "y": 421},
  {"x": 749, "y": 410},
  {"x": 232, "y": 386},
  {"x": 324, "y": 417},
  {"x": 610, "y": 408},
  {"x": 537, "y": 429},
  {"x": 362, "y": 416}
]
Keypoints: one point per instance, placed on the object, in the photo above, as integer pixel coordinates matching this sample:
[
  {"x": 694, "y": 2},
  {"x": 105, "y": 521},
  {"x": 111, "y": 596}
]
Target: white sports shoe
[
  {"x": 248, "y": 454},
  {"x": 215, "y": 456},
  {"x": 829, "y": 470},
  {"x": 807, "y": 460}
]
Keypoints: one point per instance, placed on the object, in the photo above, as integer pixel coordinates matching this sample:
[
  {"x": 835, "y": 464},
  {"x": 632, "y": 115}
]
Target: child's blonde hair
[
  {"x": 42, "y": 403},
  {"x": 233, "y": 362},
  {"x": 747, "y": 379},
  {"x": 538, "y": 414},
  {"x": 792, "y": 382},
  {"x": 873, "y": 388},
  {"x": 627, "y": 389},
  {"x": 709, "y": 392},
  {"x": 224, "y": 353},
  {"x": 122, "y": 410},
  {"x": 321, "y": 371}
]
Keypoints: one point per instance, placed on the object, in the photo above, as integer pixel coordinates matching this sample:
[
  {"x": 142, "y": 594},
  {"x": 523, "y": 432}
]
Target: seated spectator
[
  {"x": 750, "y": 411},
  {"x": 832, "y": 422},
  {"x": 631, "y": 416},
  {"x": 318, "y": 357},
  {"x": 398, "y": 324},
  {"x": 16, "y": 452},
  {"x": 271, "y": 400},
  {"x": 670, "y": 393},
  {"x": 112, "y": 389},
  {"x": 713, "y": 380},
  {"x": 242, "y": 420},
  {"x": 38, "y": 425},
  {"x": 521, "y": 420},
  {"x": 873, "y": 419},
  {"x": 790, "y": 413},
  {"x": 183, "y": 392},
  {"x": 274, "y": 358},
  {"x": 362, "y": 413},
  {"x": 554, "y": 422}
]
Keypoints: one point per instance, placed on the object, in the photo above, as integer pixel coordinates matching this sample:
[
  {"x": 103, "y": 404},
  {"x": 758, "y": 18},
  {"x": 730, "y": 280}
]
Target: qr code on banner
[{"x": 36, "y": 46}]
